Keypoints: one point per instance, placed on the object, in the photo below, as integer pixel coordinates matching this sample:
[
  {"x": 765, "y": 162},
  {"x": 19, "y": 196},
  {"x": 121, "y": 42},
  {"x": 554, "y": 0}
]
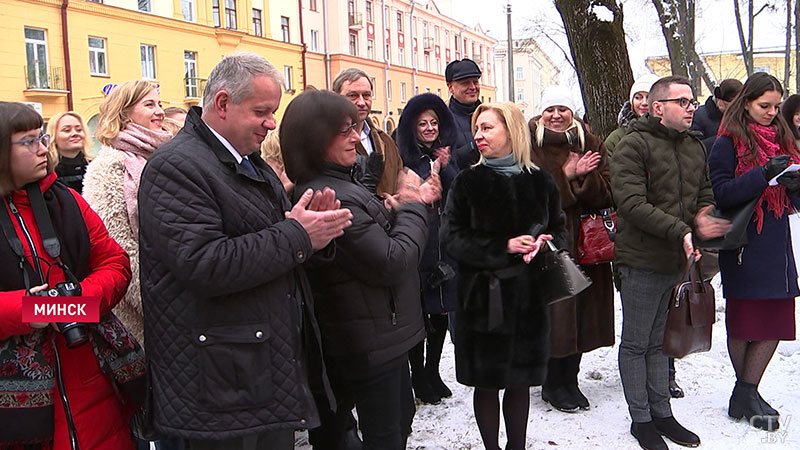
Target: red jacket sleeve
[
  {"x": 109, "y": 265},
  {"x": 11, "y": 314}
]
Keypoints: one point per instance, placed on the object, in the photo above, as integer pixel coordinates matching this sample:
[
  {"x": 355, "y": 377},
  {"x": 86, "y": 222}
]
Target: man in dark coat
[
  {"x": 356, "y": 85},
  {"x": 660, "y": 183},
  {"x": 708, "y": 117},
  {"x": 463, "y": 81},
  {"x": 228, "y": 316}
]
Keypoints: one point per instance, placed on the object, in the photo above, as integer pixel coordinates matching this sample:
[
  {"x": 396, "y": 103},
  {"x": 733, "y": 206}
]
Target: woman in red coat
[{"x": 52, "y": 396}]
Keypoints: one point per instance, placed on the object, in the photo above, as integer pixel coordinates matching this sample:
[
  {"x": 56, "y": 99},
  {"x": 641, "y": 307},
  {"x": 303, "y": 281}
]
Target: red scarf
[{"x": 767, "y": 145}]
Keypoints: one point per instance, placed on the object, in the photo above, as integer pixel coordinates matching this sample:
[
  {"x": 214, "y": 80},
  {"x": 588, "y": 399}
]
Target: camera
[
  {"x": 441, "y": 273},
  {"x": 74, "y": 333}
]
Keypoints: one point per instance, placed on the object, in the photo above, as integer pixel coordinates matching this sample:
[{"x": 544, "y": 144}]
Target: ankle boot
[
  {"x": 768, "y": 409},
  {"x": 435, "y": 344},
  {"x": 647, "y": 436},
  {"x": 571, "y": 366},
  {"x": 745, "y": 404},
  {"x": 560, "y": 399},
  {"x": 423, "y": 390}
]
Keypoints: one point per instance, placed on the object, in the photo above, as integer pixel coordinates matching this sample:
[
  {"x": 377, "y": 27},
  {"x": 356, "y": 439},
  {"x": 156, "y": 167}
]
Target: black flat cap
[{"x": 460, "y": 69}]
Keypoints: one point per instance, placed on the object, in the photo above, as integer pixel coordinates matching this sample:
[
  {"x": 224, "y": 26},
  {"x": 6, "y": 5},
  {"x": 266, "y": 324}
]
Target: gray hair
[
  {"x": 352, "y": 74},
  {"x": 235, "y": 73}
]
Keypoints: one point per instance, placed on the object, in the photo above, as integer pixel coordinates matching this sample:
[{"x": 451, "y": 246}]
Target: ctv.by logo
[{"x": 774, "y": 437}]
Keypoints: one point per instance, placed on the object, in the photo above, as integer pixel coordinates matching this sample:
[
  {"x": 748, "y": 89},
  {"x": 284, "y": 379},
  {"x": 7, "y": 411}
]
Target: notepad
[{"x": 791, "y": 168}]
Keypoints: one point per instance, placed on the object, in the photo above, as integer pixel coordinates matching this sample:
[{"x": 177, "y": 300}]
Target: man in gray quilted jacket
[{"x": 231, "y": 339}]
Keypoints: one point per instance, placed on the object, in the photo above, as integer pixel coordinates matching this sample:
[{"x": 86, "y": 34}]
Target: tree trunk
[
  {"x": 677, "y": 25},
  {"x": 747, "y": 49},
  {"x": 601, "y": 59},
  {"x": 788, "y": 56}
]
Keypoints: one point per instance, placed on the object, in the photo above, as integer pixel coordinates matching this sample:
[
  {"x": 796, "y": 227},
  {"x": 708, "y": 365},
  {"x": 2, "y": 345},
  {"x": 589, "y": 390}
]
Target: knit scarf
[
  {"x": 136, "y": 143},
  {"x": 504, "y": 165},
  {"x": 767, "y": 144}
]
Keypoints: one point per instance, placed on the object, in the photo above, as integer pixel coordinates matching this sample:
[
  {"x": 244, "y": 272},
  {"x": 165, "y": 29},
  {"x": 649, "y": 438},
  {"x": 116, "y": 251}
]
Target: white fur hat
[
  {"x": 643, "y": 84},
  {"x": 557, "y": 96}
]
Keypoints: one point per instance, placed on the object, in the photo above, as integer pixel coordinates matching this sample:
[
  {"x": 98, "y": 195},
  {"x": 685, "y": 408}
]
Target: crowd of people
[{"x": 282, "y": 276}]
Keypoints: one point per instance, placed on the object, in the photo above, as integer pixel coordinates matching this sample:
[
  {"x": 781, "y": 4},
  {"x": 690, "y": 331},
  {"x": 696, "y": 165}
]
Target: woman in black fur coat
[
  {"x": 424, "y": 135},
  {"x": 498, "y": 215}
]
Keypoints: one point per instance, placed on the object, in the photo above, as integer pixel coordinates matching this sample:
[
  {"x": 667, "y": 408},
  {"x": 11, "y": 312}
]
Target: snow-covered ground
[{"x": 707, "y": 379}]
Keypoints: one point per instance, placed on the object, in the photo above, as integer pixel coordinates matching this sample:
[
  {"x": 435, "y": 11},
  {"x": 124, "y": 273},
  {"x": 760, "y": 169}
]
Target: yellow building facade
[
  {"x": 107, "y": 44},
  {"x": 730, "y": 65}
]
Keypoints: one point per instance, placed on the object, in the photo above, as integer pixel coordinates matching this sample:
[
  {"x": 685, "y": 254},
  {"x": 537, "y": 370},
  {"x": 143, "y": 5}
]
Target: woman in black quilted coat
[
  {"x": 367, "y": 296},
  {"x": 425, "y": 134}
]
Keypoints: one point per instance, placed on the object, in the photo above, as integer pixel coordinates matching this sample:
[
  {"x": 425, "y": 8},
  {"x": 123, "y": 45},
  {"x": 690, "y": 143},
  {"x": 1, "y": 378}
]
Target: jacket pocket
[{"x": 235, "y": 366}]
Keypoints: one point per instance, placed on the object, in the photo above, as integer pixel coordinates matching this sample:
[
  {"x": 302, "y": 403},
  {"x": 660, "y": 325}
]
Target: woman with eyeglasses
[
  {"x": 759, "y": 280},
  {"x": 52, "y": 395},
  {"x": 70, "y": 146},
  {"x": 366, "y": 297},
  {"x": 425, "y": 134}
]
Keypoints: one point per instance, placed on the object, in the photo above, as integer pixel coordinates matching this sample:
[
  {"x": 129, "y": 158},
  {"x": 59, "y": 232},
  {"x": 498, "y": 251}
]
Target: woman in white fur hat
[{"x": 563, "y": 146}]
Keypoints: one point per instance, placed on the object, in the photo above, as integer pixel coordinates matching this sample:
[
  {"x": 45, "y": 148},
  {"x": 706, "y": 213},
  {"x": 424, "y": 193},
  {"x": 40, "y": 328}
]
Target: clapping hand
[
  {"x": 580, "y": 165},
  {"x": 322, "y": 218}
]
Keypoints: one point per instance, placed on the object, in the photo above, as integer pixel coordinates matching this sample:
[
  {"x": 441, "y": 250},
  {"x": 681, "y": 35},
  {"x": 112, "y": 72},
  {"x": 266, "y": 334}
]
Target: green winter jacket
[
  {"x": 613, "y": 139},
  {"x": 659, "y": 180}
]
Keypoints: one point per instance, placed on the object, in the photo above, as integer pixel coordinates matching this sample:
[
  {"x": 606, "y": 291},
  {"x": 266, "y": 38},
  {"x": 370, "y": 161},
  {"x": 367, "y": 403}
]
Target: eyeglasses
[
  {"x": 346, "y": 130},
  {"x": 683, "y": 102},
  {"x": 33, "y": 143}
]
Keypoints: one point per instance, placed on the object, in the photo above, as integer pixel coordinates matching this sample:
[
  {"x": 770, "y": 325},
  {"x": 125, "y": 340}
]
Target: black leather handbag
[
  {"x": 560, "y": 277},
  {"x": 740, "y": 216}
]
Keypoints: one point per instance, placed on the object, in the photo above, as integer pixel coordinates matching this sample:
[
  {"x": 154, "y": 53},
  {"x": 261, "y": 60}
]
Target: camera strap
[
  {"x": 49, "y": 238},
  {"x": 15, "y": 243}
]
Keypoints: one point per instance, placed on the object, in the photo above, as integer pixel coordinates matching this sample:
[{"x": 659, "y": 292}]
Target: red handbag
[{"x": 596, "y": 237}]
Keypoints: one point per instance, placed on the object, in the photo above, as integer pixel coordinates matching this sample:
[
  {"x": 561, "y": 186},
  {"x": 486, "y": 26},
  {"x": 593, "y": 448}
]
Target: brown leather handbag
[{"x": 691, "y": 315}]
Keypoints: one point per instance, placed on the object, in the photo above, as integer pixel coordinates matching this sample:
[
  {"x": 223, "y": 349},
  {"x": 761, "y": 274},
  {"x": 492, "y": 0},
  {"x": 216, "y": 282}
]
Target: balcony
[
  {"x": 427, "y": 44},
  {"x": 194, "y": 87},
  {"x": 355, "y": 21},
  {"x": 40, "y": 77}
]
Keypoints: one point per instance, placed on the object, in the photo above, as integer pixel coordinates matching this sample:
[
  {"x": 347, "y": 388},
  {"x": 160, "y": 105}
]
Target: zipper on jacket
[
  {"x": 35, "y": 256},
  {"x": 73, "y": 434}
]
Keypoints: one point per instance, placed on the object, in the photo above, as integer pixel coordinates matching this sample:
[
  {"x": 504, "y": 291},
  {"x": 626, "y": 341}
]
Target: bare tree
[
  {"x": 747, "y": 44},
  {"x": 677, "y": 19},
  {"x": 600, "y": 55}
]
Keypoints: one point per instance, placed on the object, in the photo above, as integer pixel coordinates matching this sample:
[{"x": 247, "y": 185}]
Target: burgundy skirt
[{"x": 760, "y": 319}]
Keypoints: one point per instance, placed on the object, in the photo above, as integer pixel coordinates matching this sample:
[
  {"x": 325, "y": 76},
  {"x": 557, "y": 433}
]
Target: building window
[
  {"x": 353, "y": 44},
  {"x": 287, "y": 79},
  {"x": 144, "y": 5},
  {"x": 399, "y": 21},
  {"x": 386, "y": 17},
  {"x": 439, "y": 92},
  {"x": 187, "y": 9},
  {"x": 190, "y": 74},
  {"x": 389, "y": 89},
  {"x": 215, "y": 12},
  {"x": 402, "y": 92},
  {"x": 314, "y": 40},
  {"x": 401, "y": 57},
  {"x": 370, "y": 49},
  {"x": 427, "y": 61},
  {"x": 446, "y": 38},
  {"x": 312, "y": 5},
  {"x": 424, "y": 30},
  {"x": 436, "y": 35},
  {"x": 148, "y": 53},
  {"x": 438, "y": 67},
  {"x": 520, "y": 95},
  {"x": 258, "y": 30},
  {"x": 285, "y": 28},
  {"x": 520, "y": 74},
  {"x": 97, "y": 56},
  {"x": 351, "y": 7},
  {"x": 36, "y": 52},
  {"x": 764, "y": 69},
  {"x": 230, "y": 13},
  {"x": 368, "y": 11},
  {"x": 388, "y": 53}
]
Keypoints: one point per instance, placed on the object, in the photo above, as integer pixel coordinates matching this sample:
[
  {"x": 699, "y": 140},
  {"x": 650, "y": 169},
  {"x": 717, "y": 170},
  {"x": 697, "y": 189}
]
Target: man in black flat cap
[{"x": 463, "y": 81}]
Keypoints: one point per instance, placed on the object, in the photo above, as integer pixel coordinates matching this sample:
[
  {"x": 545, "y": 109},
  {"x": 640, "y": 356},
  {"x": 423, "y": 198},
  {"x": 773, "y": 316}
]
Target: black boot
[
  {"x": 768, "y": 409},
  {"x": 571, "y": 366},
  {"x": 675, "y": 432},
  {"x": 554, "y": 389},
  {"x": 435, "y": 344},
  {"x": 649, "y": 438},
  {"x": 419, "y": 379},
  {"x": 745, "y": 403}
]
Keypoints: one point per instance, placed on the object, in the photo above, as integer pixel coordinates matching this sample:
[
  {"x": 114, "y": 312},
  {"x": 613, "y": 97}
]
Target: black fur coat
[{"x": 484, "y": 210}]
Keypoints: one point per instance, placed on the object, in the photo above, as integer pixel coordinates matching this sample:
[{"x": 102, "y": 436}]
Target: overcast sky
[{"x": 716, "y": 26}]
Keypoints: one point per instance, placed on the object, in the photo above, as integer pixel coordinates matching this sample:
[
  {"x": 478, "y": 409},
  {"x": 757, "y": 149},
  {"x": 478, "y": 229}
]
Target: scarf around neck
[
  {"x": 504, "y": 165},
  {"x": 767, "y": 145},
  {"x": 136, "y": 143}
]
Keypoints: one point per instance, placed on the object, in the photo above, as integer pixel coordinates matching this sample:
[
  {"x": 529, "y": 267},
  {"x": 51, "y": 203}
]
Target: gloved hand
[
  {"x": 791, "y": 181},
  {"x": 775, "y": 165},
  {"x": 373, "y": 170}
]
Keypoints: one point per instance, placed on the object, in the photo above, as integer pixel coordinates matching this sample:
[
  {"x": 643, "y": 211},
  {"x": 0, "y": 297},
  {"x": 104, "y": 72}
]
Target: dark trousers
[
  {"x": 270, "y": 440},
  {"x": 385, "y": 406}
]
